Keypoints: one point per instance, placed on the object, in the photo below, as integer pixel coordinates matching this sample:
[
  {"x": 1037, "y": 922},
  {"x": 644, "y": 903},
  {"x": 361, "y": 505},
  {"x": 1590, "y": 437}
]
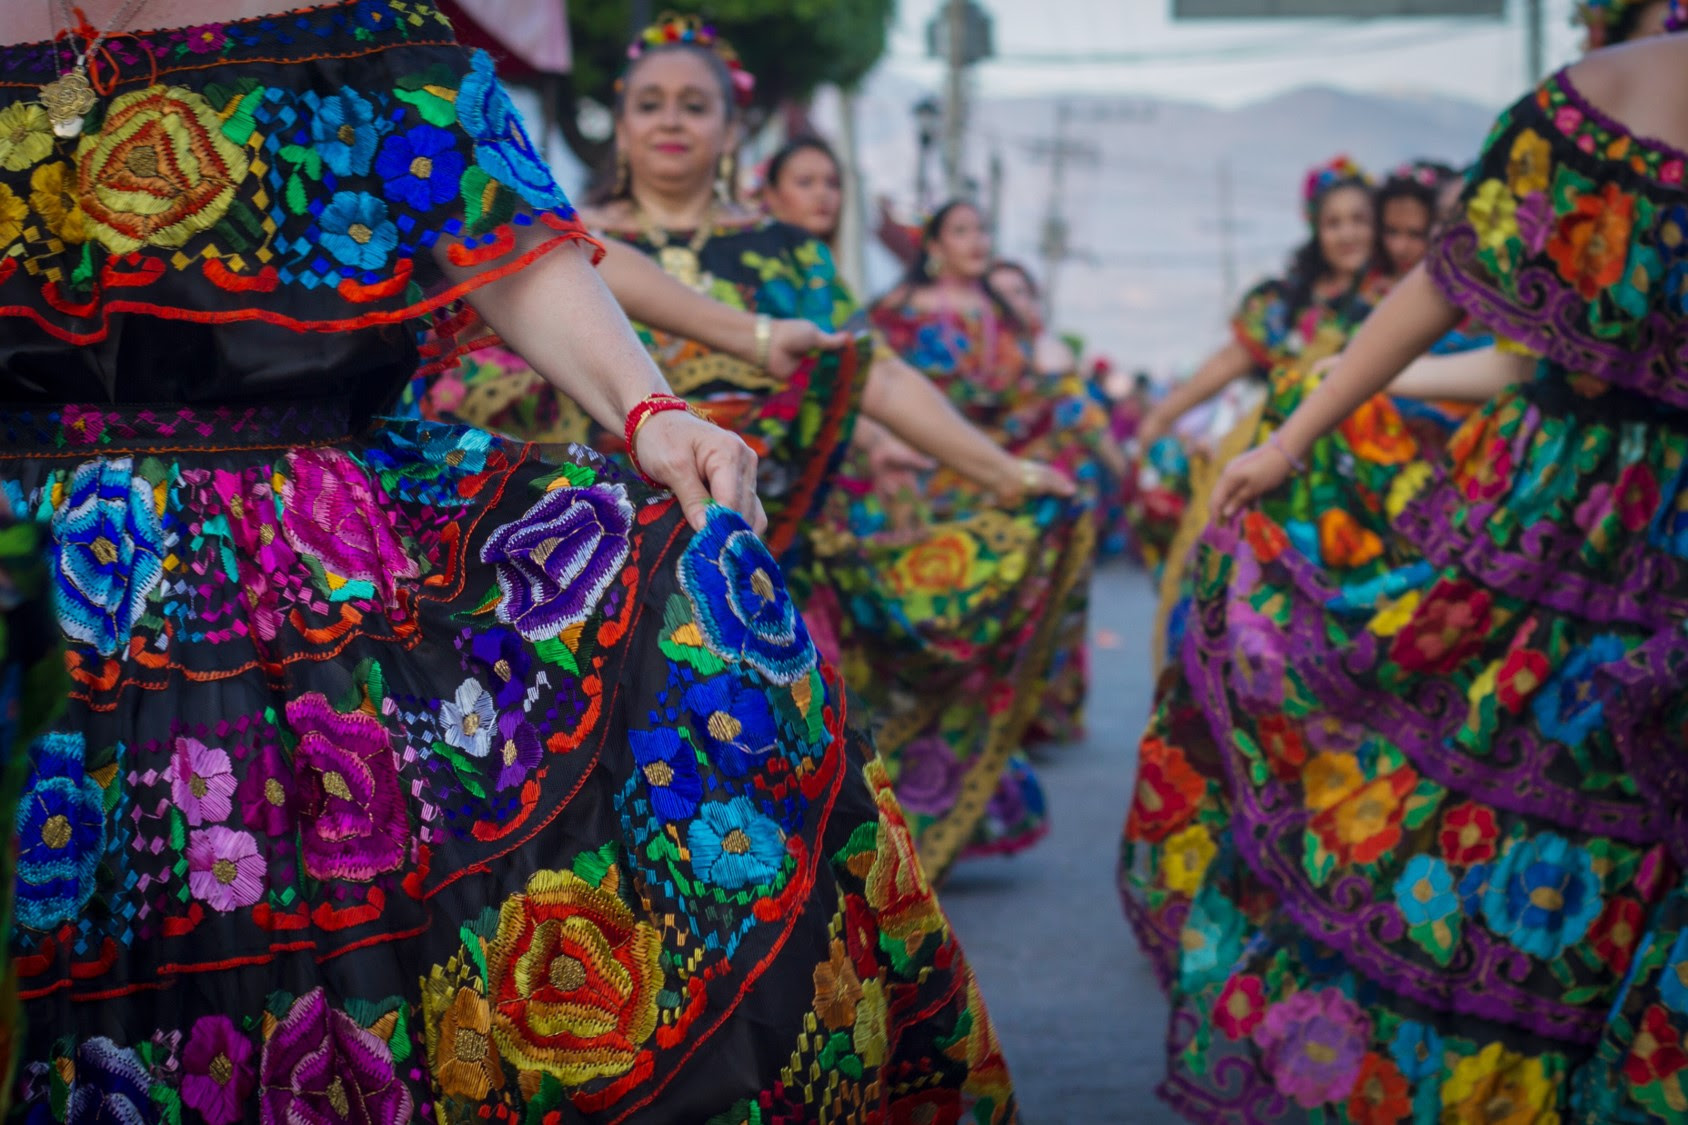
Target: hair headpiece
[
  {"x": 672, "y": 28},
  {"x": 1600, "y": 17},
  {"x": 1339, "y": 171},
  {"x": 1425, "y": 173}
]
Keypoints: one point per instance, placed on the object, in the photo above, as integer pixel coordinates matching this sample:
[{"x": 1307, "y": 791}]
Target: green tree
[{"x": 791, "y": 46}]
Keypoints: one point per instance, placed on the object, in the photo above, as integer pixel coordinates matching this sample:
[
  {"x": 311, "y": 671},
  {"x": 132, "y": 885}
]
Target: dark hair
[
  {"x": 604, "y": 186},
  {"x": 1016, "y": 267},
  {"x": 806, "y": 143},
  {"x": 919, "y": 273},
  {"x": 1309, "y": 263},
  {"x": 1624, "y": 26}
]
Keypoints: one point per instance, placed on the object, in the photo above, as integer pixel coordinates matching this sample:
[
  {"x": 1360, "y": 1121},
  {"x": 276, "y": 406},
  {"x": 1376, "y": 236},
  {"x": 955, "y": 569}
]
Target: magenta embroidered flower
[
  {"x": 202, "y": 782},
  {"x": 352, "y": 817},
  {"x": 929, "y": 776},
  {"x": 556, "y": 562},
  {"x": 320, "y": 1067},
  {"x": 225, "y": 871},
  {"x": 330, "y": 511},
  {"x": 266, "y": 793},
  {"x": 206, "y": 39},
  {"x": 219, "y": 1072},
  {"x": 1313, "y": 1044},
  {"x": 267, "y": 559}
]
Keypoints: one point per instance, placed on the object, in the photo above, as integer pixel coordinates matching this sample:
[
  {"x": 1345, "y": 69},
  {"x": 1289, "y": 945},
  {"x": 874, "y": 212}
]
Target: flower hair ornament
[
  {"x": 1600, "y": 17},
  {"x": 1424, "y": 173},
  {"x": 694, "y": 32},
  {"x": 1339, "y": 171}
]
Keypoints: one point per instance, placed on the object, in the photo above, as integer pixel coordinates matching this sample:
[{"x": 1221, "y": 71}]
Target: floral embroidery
[
  {"x": 318, "y": 1065},
  {"x": 111, "y": 1086},
  {"x": 356, "y": 229},
  {"x": 734, "y": 846},
  {"x": 218, "y": 1070},
  {"x": 739, "y": 596},
  {"x": 1542, "y": 895},
  {"x": 26, "y": 136},
  {"x": 557, "y": 562},
  {"x": 107, "y": 545},
  {"x": 201, "y": 782},
  {"x": 225, "y": 870},
  {"x": 351, "y": 813},
  {"x": 61, "y": 833},
  {"x": 330, "y": 512}
]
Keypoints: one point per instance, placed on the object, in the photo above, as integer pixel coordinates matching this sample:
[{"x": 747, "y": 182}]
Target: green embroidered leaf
[
  {"x": 1439, "y": 939},
  {"x": 593, "y": 866},
  {"x": 433, "y": 109},
  {"x": 296, "y": 199},
  {"x": 555, "y": 652}
]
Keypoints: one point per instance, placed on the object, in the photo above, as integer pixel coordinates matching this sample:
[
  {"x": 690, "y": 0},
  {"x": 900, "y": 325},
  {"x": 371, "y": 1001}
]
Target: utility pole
[
  {"x": 955, "y": 93},
  {"x": 1535, "y": 41},
  {"x": 1054, "y": 246},
  {"x": 1227, "y": 236}
]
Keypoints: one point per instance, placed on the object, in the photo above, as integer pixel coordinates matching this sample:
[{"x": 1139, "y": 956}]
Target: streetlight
[{"x": 928, "y": 116}]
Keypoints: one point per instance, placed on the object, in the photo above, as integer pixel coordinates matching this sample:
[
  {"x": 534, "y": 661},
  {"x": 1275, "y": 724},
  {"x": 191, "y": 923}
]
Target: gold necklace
[
  {"x": 69, "y": 98},
  {"x": 682, "y": 263}
]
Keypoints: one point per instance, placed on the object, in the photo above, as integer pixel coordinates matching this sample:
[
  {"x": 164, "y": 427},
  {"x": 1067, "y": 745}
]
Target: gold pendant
[
  {"x": 682, "y": 265},
  {"x": 68, "y": 100}
]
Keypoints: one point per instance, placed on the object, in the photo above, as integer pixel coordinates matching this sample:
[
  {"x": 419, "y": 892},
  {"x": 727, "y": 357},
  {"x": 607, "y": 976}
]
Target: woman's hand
[
  {"x": 1156, "y": 424},
  {"x": 894, "y": 463},
  {"x": 1246, "y": 479},
  {"x": 793, "y": 341},
  {"x": 1025, "y": 479},
  {"x": 699, "y": 462}
]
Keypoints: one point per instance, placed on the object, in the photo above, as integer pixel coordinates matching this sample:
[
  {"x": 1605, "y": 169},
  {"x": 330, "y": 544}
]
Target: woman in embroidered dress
[
  {"x": 1453, "y": 888},
  {"x": 1059, "y": 421},
  {"x": 407, "y": 774}
]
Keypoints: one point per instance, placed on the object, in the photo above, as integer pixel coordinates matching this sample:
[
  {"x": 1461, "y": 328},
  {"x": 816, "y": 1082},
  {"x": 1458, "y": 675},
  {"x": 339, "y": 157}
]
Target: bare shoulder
[{"x": 1642, "y": 85}]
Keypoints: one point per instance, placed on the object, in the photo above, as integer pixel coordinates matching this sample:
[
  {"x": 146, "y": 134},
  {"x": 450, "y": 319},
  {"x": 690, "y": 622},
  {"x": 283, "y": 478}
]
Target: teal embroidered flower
[
  {"x": 734, "y": 846},
  {"x": 1542, "y": 895},
  {"x": 60, "y": 826},
  {"x": 346, "y": 129},
  {"x": 502, "y": 147},
  {"x": 107, "y": 554},
  {"x": 357, "y": 231},
  {"x": 1424, "y": 892}
]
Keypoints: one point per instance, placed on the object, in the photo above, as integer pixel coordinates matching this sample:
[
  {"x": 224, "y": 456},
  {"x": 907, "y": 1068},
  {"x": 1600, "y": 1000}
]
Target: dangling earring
[
  {"x": 622, "y": 173},
  {"x": 934, "y": 264},
  {"x": 725, "y": 173}
]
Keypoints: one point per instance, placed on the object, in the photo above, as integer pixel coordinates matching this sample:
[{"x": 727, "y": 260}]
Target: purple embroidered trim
[
  {"x": 1157, "y": 934},
  {"x": 1652, "y": 679},
  {"x": 80, "y": 428}
]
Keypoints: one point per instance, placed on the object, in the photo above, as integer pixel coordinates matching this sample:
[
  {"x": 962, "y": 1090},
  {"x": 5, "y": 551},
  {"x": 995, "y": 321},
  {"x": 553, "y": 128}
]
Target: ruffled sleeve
[
  {"x": 1262, "y": 321},
  {"x": 305, "y": 177},
  {"x": 1573, "y": 244}
]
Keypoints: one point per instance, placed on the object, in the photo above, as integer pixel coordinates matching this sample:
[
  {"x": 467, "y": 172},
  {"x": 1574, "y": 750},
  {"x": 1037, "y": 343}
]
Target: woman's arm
[
  {"x": 1217, "y": 372},
  {"x": 905, "y": 402},
  {"x": 560, "y": 317},
  {"x": 652, "y": 297},
  {"x": 1411, "y": 319},
  {"x": 1474, "y": 376}
]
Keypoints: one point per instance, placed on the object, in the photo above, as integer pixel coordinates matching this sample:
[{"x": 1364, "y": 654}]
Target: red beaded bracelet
[{"x": 642, "y": 412}]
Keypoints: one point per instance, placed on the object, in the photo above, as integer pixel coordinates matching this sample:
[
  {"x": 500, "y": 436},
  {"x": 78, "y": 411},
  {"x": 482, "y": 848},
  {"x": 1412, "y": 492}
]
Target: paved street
[{"x": 1081, "y": 1018}]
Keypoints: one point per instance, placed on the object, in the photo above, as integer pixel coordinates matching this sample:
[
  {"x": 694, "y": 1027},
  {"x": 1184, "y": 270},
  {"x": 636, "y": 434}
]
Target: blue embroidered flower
[
  {"x": 1543, "y": 895},
  {"x": 1567, "y": 708},
  {"x": 739, "y": 595},
  {"x": 735, "y": 723},
  {"x": 1417, "y": 1050},
  {"x": 111, "y": 1086},
  {"x": 669, "y": 766},
  {"x": 502, "y": 147},
  {"x": 1471, "y": 887},
  {"x": 1212, "y": 939},
  {"x": 1672, "y": 239},
  {"x": 1424, "y": 891},
  {"x": 356, "y": 230},
  {"x": 60, "y": 824},
  {"x": 456, "y": 447},
  {"x": 468, "y": 719},
  {"x": 107, "y": 553},
  {"x": 1669, "y": 526},
  {"x": 421, "y": 168},
  {"x": 503, "y": 660},
  {"x": 734, "y": 846},
  {"x": 374, "y": 15},
  {"x": 1673, "y": 990},
  {"x": 346, "y": 128}
]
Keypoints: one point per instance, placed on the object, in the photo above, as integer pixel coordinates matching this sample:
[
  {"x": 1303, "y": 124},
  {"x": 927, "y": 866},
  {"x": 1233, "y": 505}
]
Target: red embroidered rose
[
  {"x": 1167, "y": 792},
  {"x": 1448, "y": 626},
  {"x": 1591, "y": 243}
]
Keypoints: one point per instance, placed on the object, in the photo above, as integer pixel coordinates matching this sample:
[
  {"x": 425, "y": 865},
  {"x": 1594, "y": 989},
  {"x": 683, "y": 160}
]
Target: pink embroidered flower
[
  {"x": 1314, "y": 1043},
  {"x": 225, "y": 871},
  {"x": 1568, "y": 118},
  {"x": 930, "y": 776},
  {"x": 219, "y": 1072},
  {"x": 352, "y": 819},
  {"x": 331, "y": 512},
  {"x": 320, "y": 1067},
  {"x": 268, "y": 559},
  {"x": 1637, "y": 497},
  {"x": 1670, "y": 172},
  {"x": 1240, "y": 1007},
  {"x": 202, "y": 782}
]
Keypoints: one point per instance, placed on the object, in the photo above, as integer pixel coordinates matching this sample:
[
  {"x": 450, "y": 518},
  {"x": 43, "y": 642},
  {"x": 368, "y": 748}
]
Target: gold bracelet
[{"x": 764, "y": 340}]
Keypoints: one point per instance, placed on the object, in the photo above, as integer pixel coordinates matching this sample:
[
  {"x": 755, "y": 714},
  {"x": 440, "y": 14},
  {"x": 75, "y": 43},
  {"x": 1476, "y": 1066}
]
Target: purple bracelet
[{"x": 1294, "y": 463}]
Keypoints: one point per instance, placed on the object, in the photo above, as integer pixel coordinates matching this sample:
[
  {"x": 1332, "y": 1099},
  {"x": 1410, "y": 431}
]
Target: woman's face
[
  {"x": 1346, "y": 229},
  {"x": 963, "y": 245},
  {"x": 1011, "y": 285},
  {"x": 809, "y": 193},
  {"x": 674, "y": 124},
  {"x": 1406, "y": 232}
]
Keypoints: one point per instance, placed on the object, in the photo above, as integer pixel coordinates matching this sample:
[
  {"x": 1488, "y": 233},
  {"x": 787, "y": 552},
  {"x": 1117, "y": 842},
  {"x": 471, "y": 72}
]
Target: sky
[{"x": 1105, "y": 46}]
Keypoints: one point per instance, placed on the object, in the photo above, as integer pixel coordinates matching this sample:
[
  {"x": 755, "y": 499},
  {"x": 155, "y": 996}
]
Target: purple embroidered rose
[
  {"x": 219, "y": 1072},
  {"x": 353, "y": 823},
  {"x": 557, "y": 561},
  {"x": 1314, "y": 1043},
  {"x": 320, "y": 1068},
  {"x": 201, "y": 782},
  {"x": 331, "y": 512},
  {"x": 929, "y": 778}
]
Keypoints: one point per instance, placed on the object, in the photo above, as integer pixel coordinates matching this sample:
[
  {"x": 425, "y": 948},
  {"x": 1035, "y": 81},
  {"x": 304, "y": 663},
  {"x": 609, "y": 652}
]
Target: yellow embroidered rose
[
  {"x": 457, "y": 1022},
  {"x": 1500, "y": 1088},
  {"x": 13, "y": 213},
  {"x": 1494, "y": 215},
  {"x": 26, "y": 136},
  {"x": 52, "y": 192},
  {"x": 1529, "y": 163},
  {"x": 1186, "y": 858},
  {"x": 159, "y": 172}
]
